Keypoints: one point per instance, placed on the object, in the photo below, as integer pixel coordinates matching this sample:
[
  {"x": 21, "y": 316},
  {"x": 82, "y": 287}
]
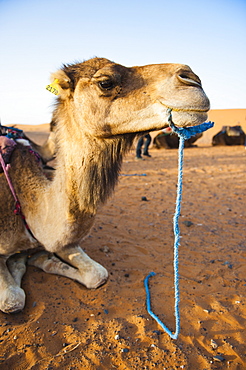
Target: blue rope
[{"x": 184, "y": 134}]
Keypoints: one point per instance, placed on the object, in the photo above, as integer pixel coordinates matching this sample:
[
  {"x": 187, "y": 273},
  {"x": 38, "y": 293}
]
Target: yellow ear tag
[{"x": 53, "y": 87}]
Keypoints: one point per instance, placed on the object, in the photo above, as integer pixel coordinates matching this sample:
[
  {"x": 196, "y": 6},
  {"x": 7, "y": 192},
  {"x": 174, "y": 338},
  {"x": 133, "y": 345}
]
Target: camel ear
[{"x": 60, "y": 84}]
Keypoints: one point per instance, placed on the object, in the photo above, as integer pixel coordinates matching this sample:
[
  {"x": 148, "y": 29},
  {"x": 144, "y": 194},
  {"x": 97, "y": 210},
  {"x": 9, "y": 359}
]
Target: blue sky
[{"x": 36, "y": 37}]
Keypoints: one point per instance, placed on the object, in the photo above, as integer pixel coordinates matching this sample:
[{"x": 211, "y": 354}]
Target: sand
[{"x": 66, "y": 326}]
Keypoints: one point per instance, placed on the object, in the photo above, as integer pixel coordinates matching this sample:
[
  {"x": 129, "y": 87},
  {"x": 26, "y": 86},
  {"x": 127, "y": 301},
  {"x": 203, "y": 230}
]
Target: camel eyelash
[{"x": 106, "y": 84}]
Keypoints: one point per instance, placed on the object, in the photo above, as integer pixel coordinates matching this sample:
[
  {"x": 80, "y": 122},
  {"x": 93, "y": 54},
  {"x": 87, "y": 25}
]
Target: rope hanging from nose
[{"x": 184, "y": 134}]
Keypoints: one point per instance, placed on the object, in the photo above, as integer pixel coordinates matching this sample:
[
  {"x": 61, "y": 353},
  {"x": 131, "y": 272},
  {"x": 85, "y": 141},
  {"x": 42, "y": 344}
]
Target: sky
[{"x": 38, "y": 36}]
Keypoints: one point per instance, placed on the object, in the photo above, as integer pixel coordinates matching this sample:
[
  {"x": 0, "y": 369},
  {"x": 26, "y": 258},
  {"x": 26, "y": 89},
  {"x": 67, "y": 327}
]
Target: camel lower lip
[{"x": 193, "y": 119}]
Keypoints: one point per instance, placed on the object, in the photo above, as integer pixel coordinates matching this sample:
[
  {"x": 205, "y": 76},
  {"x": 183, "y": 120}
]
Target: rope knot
[{"x": 187, "y": 132}]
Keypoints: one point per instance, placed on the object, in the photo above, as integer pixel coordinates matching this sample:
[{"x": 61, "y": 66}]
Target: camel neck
[{"x": 89, "y": 169}]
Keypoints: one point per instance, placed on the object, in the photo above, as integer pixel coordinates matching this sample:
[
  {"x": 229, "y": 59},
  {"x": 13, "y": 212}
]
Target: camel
[
  {"x": 101, "y": 107},
  {"x": 170, "y": 140},
  {"x": 229, "y": 135}
]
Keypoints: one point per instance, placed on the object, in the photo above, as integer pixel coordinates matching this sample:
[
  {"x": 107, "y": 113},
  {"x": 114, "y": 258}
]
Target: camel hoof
[{"x": 12, "y": 300}]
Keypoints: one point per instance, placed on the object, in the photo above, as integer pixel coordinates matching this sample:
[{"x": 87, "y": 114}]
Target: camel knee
[
  {"x": 94, "y": 276},
  {"x": 87, "y": 271},
  {"x": 84, "y": 269},
  {"x": 12, "y": 299}
]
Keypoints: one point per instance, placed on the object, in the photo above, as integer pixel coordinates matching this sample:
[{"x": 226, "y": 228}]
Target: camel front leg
[
  {"x": 12, "y": 296},
  {"x": 80, "y": 267}
]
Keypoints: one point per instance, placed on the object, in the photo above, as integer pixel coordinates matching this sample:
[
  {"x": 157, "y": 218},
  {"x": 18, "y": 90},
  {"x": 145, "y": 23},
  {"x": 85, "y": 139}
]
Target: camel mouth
[
  {"x": 188, "y": 110},
  {"x": 185, "y": 117}
]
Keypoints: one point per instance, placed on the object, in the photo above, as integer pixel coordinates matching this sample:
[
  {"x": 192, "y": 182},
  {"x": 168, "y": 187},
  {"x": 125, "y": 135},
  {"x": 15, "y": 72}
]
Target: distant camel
[
  {"x": 229, "y": 135},
  {"x": 102, "y": 106},
  {"x": 170, "y": 140}
]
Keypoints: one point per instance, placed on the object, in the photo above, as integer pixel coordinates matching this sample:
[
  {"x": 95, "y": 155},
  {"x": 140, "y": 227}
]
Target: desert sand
[{"x": 65, "y": 326}]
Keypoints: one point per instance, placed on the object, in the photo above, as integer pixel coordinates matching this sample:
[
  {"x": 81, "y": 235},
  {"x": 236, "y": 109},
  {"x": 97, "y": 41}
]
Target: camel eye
[{"x": 106, "y": 84}]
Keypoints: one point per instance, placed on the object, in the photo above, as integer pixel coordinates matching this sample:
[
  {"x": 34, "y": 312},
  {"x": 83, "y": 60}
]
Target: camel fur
[{"x": 102, "y": 106}]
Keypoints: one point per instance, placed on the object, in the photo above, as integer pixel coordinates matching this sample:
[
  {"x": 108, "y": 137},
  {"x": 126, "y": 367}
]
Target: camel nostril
[
  {"x": 182, "y": 75},
  {"x": 189, "y": 80}
]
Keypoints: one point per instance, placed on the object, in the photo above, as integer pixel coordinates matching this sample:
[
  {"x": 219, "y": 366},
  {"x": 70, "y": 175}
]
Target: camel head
[{"x": 111, "y": 99}]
